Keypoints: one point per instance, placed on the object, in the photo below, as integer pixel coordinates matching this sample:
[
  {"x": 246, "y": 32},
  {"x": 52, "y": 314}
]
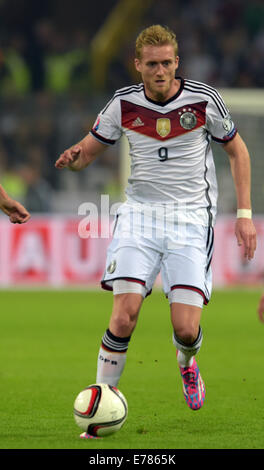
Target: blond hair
[{"x": 156, "y": 35}]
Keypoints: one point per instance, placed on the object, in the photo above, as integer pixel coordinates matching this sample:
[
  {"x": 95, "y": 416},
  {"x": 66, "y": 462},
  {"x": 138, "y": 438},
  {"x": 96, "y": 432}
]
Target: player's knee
[{"x": 187, "y": 333}]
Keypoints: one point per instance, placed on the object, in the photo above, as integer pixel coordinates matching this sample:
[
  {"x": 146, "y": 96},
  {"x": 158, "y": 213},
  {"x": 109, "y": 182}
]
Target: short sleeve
[
  {"x": 219, "y": 123},
  {"x": 107, "y": 128}
]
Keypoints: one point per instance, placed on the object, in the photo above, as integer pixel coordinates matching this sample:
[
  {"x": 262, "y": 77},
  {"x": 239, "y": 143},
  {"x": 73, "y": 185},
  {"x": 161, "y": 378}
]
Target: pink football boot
[{"x": 193, "y": 386}]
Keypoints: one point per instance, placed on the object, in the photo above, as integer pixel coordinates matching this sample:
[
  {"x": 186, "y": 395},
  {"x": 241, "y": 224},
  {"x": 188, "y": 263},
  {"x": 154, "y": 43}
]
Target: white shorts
[{"x": 144, "y": 245}]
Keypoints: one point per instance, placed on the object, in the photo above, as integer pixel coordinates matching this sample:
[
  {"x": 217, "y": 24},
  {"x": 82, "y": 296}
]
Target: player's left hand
[{"x": 246, "y": 236}]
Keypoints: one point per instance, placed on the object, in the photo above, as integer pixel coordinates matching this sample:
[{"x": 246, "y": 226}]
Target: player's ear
[
  {"x": 137, "y": 65},
  {"x": 177, "y": 60}
]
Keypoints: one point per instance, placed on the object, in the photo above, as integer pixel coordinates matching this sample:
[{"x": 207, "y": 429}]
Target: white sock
[
  {"x": 186, "y": 352},
  {"x": 184, "y": 359},
  {"x": 110, "y": 366},
  {"x": 111, "y": 358}
]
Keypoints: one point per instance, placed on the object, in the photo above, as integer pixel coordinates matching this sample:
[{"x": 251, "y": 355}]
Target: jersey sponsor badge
[
  {"x": 111, "y": 267},
  {"x": 227, "y": 124},
  {"x": 163, "y": 126},
  {"x": 137, "y": 122},
  {"x": 188, "y": 120}
]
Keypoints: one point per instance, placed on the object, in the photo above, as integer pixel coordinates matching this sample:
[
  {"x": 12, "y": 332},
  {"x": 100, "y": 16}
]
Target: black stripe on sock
[{"x": 115, "y": 343}]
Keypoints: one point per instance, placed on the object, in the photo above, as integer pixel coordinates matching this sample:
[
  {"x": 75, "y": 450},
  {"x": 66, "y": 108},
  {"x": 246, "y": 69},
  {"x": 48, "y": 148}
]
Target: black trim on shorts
[
  {"x": 124, "y": 278},
  {"x": 105, "y": 286}
]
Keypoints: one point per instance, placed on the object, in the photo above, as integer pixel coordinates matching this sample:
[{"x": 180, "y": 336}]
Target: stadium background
[{"x": 60, "y": 61}]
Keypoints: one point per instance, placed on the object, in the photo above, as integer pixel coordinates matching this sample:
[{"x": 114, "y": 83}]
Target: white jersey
[{"x": 171, "y": 156}]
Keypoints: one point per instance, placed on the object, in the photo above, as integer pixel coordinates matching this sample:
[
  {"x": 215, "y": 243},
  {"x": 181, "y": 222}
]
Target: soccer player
[
  {"x": 166, "y": 224},
  {"x": 15, "y": 211}
]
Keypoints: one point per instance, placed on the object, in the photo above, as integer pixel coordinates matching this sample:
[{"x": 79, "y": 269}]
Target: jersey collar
[{"x": 164, "y": 103}]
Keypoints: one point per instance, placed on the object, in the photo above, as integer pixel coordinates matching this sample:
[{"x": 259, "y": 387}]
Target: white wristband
[{"x": 244, "y": 213}]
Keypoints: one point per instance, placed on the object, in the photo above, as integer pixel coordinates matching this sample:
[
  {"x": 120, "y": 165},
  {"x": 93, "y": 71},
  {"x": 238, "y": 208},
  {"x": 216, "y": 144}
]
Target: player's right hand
[
  {"x": 16, "y": 212},
  {"x": 68, "y": 157}
]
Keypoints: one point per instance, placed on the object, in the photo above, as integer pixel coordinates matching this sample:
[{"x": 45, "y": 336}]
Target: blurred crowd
[
  {"x": 46, "y": 92},
  {"x": 34, "y": 131},
  {"x": 221, "y": 42}
]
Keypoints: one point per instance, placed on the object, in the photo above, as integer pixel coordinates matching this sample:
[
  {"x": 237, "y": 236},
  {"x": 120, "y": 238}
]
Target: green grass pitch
[{"x": 49, "y": 345}]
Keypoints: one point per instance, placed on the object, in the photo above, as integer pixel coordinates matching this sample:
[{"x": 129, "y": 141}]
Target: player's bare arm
[
  {"x": 79, "y": 156},
  {"x": 240, "y": 167},
  {"x": 15, "y": 211}
]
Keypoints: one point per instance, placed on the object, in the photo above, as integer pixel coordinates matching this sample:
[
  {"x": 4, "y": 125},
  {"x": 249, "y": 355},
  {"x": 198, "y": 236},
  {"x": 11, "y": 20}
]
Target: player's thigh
[
  {"x": 185, "y": 269},
  {"x": 132, "y": 256}
]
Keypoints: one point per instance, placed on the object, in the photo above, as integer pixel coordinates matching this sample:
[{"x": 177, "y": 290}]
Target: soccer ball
[{"x": 100, "y": 410}]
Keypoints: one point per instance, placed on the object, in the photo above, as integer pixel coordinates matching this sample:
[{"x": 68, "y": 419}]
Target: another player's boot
[{"x": 193, "y": 386}]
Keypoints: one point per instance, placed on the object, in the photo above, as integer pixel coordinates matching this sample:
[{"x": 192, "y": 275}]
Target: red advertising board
[
  {"x": 50, "y": 251},
  {"x": 229, "y": 264}
]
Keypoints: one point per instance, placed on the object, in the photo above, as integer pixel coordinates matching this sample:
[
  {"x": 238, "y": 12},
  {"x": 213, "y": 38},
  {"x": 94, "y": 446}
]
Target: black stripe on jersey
[
  {"x": 210, "y": 246},
  {"x": 209, "y": 262},
  {"x": 136, "y": 88},
  {"x": 209, "y": 239},
  {"x": 209, "y": 258},
  {"x": 210, "y": 89},
  {"x": 124, "y": 91},
  {"x": 204, "y": 92},
  {"x": 195, "y": 87},
  {"x": 129, "y": 88},
  {"x": 210, "y": 216}
]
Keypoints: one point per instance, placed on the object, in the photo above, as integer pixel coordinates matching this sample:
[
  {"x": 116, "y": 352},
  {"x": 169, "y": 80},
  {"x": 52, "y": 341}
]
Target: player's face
[{"x": 157, "y": 67}]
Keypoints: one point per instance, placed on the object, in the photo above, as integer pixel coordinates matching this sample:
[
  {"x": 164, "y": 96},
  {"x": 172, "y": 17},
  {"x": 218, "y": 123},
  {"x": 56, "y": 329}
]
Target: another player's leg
[
  {"x": 113, "y": 349},
  {"x": 187, "y": 337}
]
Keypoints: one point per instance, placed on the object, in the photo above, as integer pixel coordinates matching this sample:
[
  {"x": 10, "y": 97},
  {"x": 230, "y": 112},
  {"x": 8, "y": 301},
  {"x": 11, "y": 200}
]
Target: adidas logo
[{"x": 137, "y": 122}]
